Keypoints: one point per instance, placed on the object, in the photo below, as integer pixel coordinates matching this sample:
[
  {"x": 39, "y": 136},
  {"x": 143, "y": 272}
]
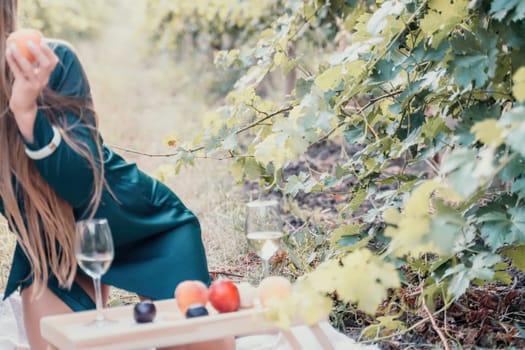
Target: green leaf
[
  {"x": 460, "y": 166},
  {"x": 476, "y": 58},
  {"x": 304, "y": 182},
  {"x": 514, "y": 169},
  {"x": 516, "y": 138},
  {"x": 495, "y": 228},
  {"x": 481, "y": 268},
  {"x": 433, "y": 126},
  {"x": 518, "y": 223},
  {"x": 518, "y": 88},
  {"x": 303, "y": 87},
  {"x": 499, "y": 9},
  {"x": 518, "y": 187},
  {"x": 230, "y": 142},
  {"x": 445, "y": 227}
]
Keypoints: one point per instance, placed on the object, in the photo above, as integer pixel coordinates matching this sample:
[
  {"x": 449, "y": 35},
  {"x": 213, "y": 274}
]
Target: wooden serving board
[{"x": 170, "y": 327}]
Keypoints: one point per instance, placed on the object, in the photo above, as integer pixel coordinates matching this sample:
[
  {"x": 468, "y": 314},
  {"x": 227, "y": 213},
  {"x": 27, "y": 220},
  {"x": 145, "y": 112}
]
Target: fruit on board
[
  {"x": 190, "y": 292},
  {"x": 21, "y": 37},
  {"x": 144, "y": 311},
  {"x": 247, "y": 293},
  {"x": 224, "y": 296},
  {"x": 196, "y": 310},
  {"x": 273, "y": 288}
]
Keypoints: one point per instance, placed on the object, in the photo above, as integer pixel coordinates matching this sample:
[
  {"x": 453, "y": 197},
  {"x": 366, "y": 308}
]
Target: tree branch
[{"x": 200, "y": 148}]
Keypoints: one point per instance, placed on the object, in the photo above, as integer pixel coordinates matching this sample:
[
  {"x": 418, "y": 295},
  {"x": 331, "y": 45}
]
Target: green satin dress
[{"x": 157, "y": 239}]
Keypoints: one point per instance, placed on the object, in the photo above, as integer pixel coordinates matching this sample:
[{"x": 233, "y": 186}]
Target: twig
[
  {"x": 266, "y": 117},
  {"x": 435, "y": 326},
  {"x": 361, "y": 110},
  {"x": 225, "y": 273}
]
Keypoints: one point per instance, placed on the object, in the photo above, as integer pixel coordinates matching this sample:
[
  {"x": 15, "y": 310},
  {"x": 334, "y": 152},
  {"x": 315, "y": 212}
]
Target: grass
[{"x": 138, "y": 101}]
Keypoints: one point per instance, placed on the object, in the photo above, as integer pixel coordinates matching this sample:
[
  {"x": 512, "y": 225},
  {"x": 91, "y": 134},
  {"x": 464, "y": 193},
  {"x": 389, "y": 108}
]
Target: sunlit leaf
[
  {"x": 443, "y": 15},
  {"x": 518, "y": 88},
  {"x": 488, "y": 132},
  {"x": 330, "y": 78},
  {"x": 517, "y": 254}
]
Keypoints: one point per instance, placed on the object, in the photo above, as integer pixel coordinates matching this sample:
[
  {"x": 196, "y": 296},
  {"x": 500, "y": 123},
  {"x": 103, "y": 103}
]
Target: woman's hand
[{"x": 30, "y": 80}]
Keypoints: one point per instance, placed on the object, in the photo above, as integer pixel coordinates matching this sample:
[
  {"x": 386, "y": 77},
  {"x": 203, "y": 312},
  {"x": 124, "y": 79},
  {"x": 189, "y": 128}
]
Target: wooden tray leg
[
  {"x": 291, "y": 339},
  {"x": 321, "y": 337}
]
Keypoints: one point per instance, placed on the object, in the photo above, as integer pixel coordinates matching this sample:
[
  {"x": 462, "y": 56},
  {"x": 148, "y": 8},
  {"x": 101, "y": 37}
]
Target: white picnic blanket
[{"x": 13, "y": 337}]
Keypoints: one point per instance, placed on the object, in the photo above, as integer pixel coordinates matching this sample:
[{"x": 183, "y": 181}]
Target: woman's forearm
[{"x": 26, "y": 122}]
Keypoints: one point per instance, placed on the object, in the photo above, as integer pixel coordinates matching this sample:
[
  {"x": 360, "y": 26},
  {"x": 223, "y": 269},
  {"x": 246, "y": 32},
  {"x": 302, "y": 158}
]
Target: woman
[{"x": 55, "y": 170}]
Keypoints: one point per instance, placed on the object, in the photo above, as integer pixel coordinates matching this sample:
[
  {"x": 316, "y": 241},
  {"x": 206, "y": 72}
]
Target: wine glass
[
  {"x": 94, "y": 252},
  {"x": 263, "y": 228}
]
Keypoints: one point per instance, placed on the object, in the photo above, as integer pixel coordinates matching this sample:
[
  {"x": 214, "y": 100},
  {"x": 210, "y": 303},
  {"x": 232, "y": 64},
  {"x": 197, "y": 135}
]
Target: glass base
[{"x": 101, "y": 322}]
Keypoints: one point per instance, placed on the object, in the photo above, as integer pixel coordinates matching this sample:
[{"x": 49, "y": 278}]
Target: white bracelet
[{"x": 46, "y": 151}]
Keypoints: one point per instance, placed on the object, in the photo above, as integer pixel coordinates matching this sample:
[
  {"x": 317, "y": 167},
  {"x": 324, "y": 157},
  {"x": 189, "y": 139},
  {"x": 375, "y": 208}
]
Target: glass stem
[
  {"x": 265, "y": 267},
  {"x": 98, "y": 297}
]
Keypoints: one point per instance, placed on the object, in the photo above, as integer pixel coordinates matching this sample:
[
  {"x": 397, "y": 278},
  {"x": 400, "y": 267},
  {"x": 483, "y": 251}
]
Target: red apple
[{"x": 224, "y": 296}]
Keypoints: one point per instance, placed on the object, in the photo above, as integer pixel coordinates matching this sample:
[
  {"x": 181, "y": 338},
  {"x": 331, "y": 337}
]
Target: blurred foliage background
[{"x": 65, "y": 19}]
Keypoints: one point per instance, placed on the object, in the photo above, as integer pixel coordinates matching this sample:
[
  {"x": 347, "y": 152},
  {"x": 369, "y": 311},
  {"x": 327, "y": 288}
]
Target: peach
[
  {"x": 273, "y": 288},
  {"x": 190, "y": 292},
  {"x": 20, "y": 39}
]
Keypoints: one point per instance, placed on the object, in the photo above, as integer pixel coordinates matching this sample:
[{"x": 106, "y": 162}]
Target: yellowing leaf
[
  {"x": 280, "y": 58},
  {"x": 311, "y": 305},
  {"x": 164, "y": 171},
  {"x": 518, "y": 88},
  {"x": 385, "y": 325},
  {"x": 170, "y": 139},
  {"x": 412, "y": 233},
  {"x": 392, "y": 216},
  {"x": 345, "y": 230},
  {"x": 330, "y": 78},
  {"x": 517, "y": 254},
  {"x": 443, "y": 15},
  {"x": 269, "y": 150},
  {"x": 326, "y": 276},
  {"x": 488, "y": 132},
  {"x": 354, "y": 69},
  {"x": 365, "y": 279},
  {"x": 419, "y": 202}
]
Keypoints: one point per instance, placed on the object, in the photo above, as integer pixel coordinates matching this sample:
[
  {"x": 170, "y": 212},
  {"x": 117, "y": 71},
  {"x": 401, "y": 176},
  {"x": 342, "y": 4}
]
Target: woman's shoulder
[
  {"x": 62, "y": 48},
  {"x": 68, "y": 77}
]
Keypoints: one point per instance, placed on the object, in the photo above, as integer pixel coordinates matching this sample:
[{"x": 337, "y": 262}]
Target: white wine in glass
[
  {"x": 94, "y": 252},
  {"x": 263, "y": 228}
]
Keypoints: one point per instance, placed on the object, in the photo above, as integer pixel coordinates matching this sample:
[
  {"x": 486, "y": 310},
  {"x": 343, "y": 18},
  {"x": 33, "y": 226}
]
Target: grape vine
[{"x": 430, "y": 91}]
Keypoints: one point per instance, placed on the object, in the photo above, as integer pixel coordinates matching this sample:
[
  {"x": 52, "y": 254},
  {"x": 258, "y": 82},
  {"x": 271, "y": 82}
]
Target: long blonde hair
[{"x": 43, "y": 221}]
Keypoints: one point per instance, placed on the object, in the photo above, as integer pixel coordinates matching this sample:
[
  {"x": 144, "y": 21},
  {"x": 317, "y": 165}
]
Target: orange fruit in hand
[
  {"x": 21, "y": 38},
  {"x": 190, "y": 292}
]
